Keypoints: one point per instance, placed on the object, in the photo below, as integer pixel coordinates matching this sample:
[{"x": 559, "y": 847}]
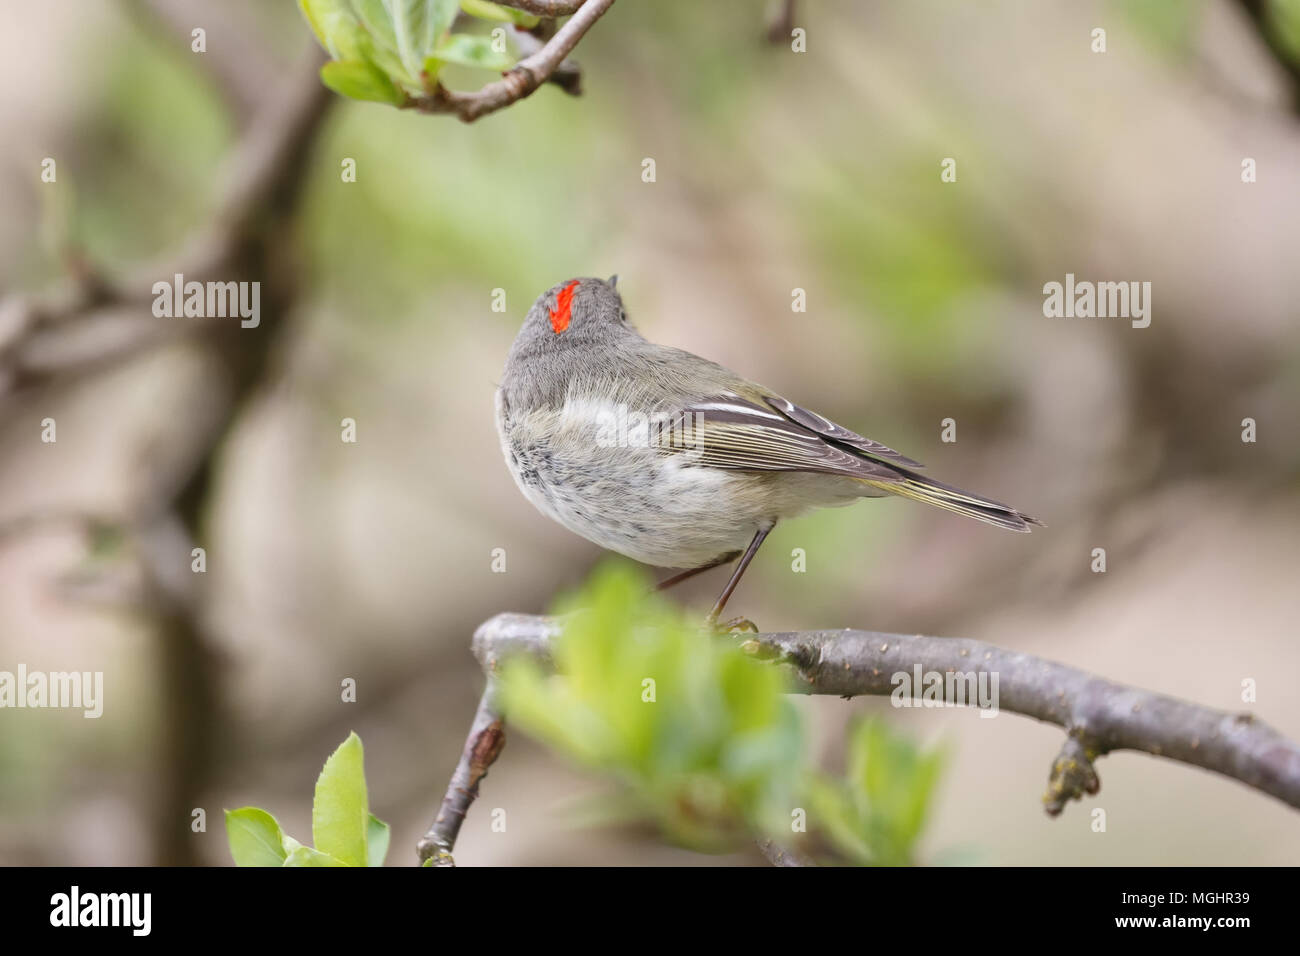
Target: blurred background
[{"x": 775, "y": 170}]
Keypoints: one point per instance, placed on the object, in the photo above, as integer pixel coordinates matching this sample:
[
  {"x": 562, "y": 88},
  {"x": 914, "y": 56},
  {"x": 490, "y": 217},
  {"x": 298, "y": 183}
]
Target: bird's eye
[{"x": 622, "y": 314}]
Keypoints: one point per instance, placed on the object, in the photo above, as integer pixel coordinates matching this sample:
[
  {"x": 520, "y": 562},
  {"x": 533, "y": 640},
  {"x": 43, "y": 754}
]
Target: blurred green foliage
[
  {"x": 1167, "y": 27},
  {"x": 915, "y": 269},
  {"x": 1284, "y": 21},
  {"x": 825, "y": 536},
  {"x": 165, "y": 130},
  {"x": 703, "y": 737},
  {"x": 876, "y": 815}
]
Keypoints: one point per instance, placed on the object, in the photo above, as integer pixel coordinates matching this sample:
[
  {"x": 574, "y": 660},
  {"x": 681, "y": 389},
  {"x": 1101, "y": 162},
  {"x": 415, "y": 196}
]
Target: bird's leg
[
  {"x": 748, "y": 556},
  {"x": 681, "y": 576}
]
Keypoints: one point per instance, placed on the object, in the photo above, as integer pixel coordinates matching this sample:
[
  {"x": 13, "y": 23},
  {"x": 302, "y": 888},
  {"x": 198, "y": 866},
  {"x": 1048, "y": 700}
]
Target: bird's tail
[{"x": 920, "y": 488}]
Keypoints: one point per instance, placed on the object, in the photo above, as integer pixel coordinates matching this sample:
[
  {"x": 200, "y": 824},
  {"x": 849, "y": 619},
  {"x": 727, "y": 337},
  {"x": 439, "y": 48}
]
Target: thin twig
[
  {"x": 782, "y": 856},
  {"x": 568, "y": 75},
  {"x": 483, "y": 745},
  {"x": 521, "y": 79},
  {"x": 545, "y": 8}
]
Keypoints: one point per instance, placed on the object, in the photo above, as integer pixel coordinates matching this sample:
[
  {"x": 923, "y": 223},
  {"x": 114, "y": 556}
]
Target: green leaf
[
  {"x": 439, "y": 21},
  {"x": 417, "y": 27},
  {"x": 360, "y": 32},
  {"x": 377, "y": 834},
  {"x": 255, "y": 837},
  {"x": 375, "y": 15},
  {"x": 306, "y": 856},
  {"x": 340, "y": 813},
  {"x": 360, "y": 80},
  {"x": 378, "y": 44},
  {"x": 335, "y": 26},
  {"x": 492, "y": 11},
  {"x": 474, "y": 51}
]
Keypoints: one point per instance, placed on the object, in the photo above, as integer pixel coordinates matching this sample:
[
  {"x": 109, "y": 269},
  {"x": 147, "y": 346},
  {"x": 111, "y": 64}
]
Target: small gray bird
[{"x": 671, "y": 459}]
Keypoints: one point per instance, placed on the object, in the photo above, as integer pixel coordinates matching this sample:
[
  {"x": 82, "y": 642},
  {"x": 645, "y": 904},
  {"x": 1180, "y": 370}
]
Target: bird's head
[{"x": 576, "y": 310}]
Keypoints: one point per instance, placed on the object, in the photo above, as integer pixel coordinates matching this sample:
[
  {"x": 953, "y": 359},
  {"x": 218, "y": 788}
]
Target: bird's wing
[
  {"x": 768, "y": 433},
  {"x": 731, "y": 431},
  {"x": 838, "y": 433}
]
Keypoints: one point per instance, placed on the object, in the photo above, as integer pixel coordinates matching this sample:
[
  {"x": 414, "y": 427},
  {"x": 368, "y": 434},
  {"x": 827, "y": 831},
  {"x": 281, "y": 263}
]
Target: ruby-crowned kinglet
[{"x": 671, "y": 459}]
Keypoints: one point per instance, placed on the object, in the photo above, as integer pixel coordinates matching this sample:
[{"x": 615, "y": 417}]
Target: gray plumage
[{"x": 717, "y": 459}]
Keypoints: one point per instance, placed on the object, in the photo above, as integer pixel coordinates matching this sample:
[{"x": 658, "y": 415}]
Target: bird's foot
[{"x": 737, "y": 625}]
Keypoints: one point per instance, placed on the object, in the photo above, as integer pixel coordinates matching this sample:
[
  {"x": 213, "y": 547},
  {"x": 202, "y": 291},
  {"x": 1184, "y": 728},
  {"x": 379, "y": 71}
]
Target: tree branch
[
  {"x": 487, "y": 737},
  {"x": 521, "y": 79},
  {"x": 1098, "y": 716},
  {"x": 91, "y": 321},
  {"x": 544, "y": 8},
  {"x": 780, "y": 856},
  {"x": 781, "y": 21},
  {"x": 568, "y": 75}
]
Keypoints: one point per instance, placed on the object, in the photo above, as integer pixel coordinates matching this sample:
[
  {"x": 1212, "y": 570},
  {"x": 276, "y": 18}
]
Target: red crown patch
[{"x": 563, "y": 311}]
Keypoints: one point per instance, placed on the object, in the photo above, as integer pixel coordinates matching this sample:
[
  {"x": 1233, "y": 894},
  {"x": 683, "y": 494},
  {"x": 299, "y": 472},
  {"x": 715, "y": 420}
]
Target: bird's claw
[{"x": 737, "y": 625}]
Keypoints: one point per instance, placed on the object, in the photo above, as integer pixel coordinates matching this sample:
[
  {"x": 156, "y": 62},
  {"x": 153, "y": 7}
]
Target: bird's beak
[{"x": 613, "y": 280}]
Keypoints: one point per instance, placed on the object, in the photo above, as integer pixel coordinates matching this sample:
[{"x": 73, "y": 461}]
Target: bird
[{"x": 673, "y": 460}]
